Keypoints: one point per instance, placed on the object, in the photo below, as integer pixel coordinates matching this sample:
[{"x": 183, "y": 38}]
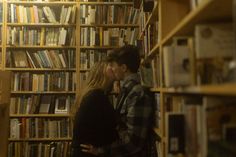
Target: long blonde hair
[{"x": 97, "y": 79}]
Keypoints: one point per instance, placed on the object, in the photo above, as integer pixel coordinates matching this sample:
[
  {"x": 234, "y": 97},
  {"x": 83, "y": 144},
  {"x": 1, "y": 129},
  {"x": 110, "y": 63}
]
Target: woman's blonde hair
[{"x": 97, "y": 79}]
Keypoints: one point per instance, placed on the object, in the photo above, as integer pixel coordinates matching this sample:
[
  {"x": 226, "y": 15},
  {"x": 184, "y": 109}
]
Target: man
[{"x": 134, "y": 108}]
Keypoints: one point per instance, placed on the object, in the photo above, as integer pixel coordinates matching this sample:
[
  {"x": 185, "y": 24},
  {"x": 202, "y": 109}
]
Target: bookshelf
[
  {"x": 1, "y": 24},
  {"x": 39, "y": 47},
  {"x": 191, "y": 101},
  {"x": 103, "y": 26},
  {"x": 4, "y": 109}
]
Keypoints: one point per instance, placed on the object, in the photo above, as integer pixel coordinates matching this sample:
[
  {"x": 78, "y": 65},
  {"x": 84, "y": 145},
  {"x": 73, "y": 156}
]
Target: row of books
[
  {"x": 41, "y": 59},
  {"x": 52, "y": 149},
  {"x": 89, "y": 57},
  {"x": 201, "y": 126},
  {"x": 96, "y": 36},
  {"x": 37, "y": 14},
  {"x": 150, "y": 37},
  {"x": 41, "y": 104},
  {"x": 39, "y": 128},
  {"x": 109, "y": 14},
  {"x": 49, "y": 81},
  {"x": 42, "y": 36}
]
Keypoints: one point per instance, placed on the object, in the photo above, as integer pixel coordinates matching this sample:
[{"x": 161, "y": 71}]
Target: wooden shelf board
[
  {"x": 98, "y": 47},
  {"x": 207, "y": 11},
  {"x": 39, "y": 69},
  {"x": 39, "y": 139},
  {"x": 38, "y": 115},
  {"x": 41, "y": 24},
  {"x": 55, "y": 3},
  {"x": 41, "y": 92},
  {"x": 106, "y": 3},
  {"x": 155, "y": 89},
  {"x": 224, "y": 89},
  {"x": 109, "y": 25},
  {"x": 84, "y": 70},
  {"x": 40, "y": 47}
]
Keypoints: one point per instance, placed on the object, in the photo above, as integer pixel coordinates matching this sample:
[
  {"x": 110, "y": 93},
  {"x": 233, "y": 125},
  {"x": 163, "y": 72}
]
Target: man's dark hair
[{"x": 128, "y": 55}]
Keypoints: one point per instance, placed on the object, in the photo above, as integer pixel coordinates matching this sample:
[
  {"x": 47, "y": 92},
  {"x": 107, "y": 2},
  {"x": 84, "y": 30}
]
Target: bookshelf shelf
[
  {"x": 106, "y": 3},
  {"x": 30, "y": 3},
  {"x": 224, "y": 89},
  {"x": 40, "y": 24},
  {"x": 98, "y": 47},
  {"x": 39, "y": 69},
  {"x": 109, "y": 25},
  {"x": 39, "y": 139},
  {"x": 42, "y": 92},
  {"x": 38, "y": 115},
  {"x": 155, "y": 89},
  {"x": 84, "y": 70},
  {"x": 40, "y": 47}
]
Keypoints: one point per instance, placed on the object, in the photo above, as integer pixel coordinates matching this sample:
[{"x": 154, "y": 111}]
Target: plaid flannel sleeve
[{"x": 137, "y": 120}]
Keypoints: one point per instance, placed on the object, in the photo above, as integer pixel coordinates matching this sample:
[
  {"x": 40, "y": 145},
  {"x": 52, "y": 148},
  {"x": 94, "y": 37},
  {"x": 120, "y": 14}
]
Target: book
[
  {"x": 45, "y": 103},
  {"x": 176, "y": 63},
  {"x": 20, "y": 59},
  {"x": 62, "y": 105},
  {"x": 175, "y": 133}
]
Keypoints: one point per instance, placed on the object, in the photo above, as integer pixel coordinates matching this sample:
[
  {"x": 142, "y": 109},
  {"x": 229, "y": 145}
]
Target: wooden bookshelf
[
  {"x": 179, "y": 20},
  {"x": 57, "y": 38},
  {"x": 4, "y": 110}
]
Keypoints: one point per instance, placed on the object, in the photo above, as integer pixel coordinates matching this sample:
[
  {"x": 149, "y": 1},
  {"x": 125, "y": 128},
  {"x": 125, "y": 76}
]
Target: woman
[{"x": 94, "y": 121}]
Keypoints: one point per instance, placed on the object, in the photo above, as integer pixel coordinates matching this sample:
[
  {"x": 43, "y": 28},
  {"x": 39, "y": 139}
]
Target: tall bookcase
[
  {"x": 4, "y": 110},
  {"x": 39, "y": 48},
  {"x": 194, "y": 88},
  {"x": 1, "y": 24}
]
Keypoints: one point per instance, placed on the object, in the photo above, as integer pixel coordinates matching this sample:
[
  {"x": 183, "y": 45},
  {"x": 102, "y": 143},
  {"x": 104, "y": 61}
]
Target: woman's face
[
  {"x": 109, "y": 73},
  {"x": 118, "y": 70},
  {"x": 110, "y": 78}
]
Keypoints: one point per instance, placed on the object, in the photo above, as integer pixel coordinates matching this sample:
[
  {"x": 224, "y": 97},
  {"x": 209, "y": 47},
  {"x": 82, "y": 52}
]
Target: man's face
[{"x": 118, "y": 70}]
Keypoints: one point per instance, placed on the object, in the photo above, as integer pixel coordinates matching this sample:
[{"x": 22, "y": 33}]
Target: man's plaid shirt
[{"x": 134, "y": 120}]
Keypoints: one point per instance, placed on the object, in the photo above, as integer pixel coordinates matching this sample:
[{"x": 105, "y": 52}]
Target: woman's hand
[{"x": 88, "y": 148}]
